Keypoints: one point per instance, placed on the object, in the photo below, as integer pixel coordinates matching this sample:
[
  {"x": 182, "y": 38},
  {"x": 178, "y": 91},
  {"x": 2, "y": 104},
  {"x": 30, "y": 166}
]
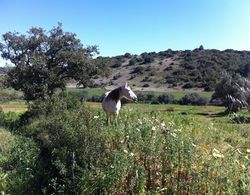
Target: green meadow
[{"x": 158, "y": 149}]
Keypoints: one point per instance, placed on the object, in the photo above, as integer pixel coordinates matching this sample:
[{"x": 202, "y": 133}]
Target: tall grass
[{"x": 150, "y": 151}]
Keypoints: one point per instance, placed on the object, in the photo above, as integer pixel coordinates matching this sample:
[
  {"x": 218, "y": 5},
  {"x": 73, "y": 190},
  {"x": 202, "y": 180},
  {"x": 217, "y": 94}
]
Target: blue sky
[{"x": 136, "y": 26}]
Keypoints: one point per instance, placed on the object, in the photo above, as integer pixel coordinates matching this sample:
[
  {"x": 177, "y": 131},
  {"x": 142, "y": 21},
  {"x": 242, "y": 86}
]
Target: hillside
[{"x": 170, "y": 70}]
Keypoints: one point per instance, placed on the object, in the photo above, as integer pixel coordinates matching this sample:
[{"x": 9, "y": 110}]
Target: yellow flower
[
  {"x": 243, "y": 166},
  {"x": 237, "y": 162}
]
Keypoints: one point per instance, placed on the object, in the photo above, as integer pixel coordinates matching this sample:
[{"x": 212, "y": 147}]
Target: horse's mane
[{"x": 115, "y": 94}]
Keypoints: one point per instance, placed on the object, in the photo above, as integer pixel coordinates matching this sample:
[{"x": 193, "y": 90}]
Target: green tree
[
  {"x": 233, "y": 91},
  {"x": 46, "y": 60}
]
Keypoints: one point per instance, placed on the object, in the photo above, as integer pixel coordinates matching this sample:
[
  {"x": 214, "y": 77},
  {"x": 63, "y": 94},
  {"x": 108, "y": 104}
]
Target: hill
[{"x": 169, "y": 70}]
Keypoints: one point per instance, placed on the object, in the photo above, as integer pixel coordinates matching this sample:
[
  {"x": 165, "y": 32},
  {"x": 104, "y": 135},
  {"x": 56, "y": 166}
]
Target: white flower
[
  {"x": 153, "y": 128},
  {"x": 248, "y": 150},
  {"x": 163, "y": 124},
  {"x": 194, "y": 145},
  {"x": 95, "y": 117},
  {"x": 125, "y": 151},
  {"x": 132, "y": 154},
  {"x": 238, "y": 151}
]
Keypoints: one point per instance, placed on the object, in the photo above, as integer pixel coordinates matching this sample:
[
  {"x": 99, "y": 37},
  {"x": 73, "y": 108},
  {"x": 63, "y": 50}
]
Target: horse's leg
[
  {"x": 107, "y": 119},
  {"x": 116, "y": 119}
]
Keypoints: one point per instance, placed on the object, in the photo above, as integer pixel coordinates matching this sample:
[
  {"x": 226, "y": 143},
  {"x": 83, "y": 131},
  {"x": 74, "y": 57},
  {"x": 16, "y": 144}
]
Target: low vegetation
[{"x": 62, "y": 145}]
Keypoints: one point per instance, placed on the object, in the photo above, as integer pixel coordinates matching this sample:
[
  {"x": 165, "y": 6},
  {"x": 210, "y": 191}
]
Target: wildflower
[
  {"x": 95, "y": 117},
  {"x": 248, "y": 150},
  {"x": 194, "y": 145},
  {"x": 216, "y": 153},
  {"x": 243, "y": 166},
  {"x": 137, "y": 129},
  {"x": 140, "y": 122},
  {"x": 111, "y": 166},
  {"x": 238, "y": 151},
  {"x": 153, "y": 128},
  {"x": 163, "y": 124},
  {"x": 237, "y": 162},
  {"x": 125, "y": 151},
  {"x": 132, "y": 154},
  {"x": 173, "y": 134},
  {"x": 246, "y": 157},
  {"x": 240, "y": 164},
  {"x": 127, "y": 137}
]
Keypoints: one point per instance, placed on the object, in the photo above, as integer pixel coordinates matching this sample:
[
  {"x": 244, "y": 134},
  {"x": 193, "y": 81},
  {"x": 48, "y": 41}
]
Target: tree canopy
[
  {"x": 233, "y": 91},
  {"x": 47, "y": 60}
]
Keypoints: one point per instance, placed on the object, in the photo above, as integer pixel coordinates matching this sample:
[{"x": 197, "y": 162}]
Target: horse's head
[{"x": 127, "y": 93}]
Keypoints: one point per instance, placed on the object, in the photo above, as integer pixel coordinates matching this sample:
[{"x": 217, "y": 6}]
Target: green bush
[
  {"x": 193, "y": 99},
  {"x": 9, "y": 94},
  {"x": 9, "y": 120},
  {"x": 19, "y": 165}
]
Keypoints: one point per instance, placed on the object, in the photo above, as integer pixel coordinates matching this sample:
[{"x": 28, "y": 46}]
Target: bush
[
  {"x": 74, "y": 147},
  {"x": 9, "y": 95},
  {"x": 193, "y": 99},
  {"x": 145, "y": 85},
  {"x": 9, "y": 120},
  {"x": 188, "y": 85},
  {"x": 127, "y": 55},
  {"x": 139, "y": 70},
  {"x": 132, "y": 62},
  {"x": 166, "y": 99}
]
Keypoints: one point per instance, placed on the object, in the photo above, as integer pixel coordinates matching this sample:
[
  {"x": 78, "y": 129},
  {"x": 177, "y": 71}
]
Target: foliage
[
  {"x": 234, "y": 92},
  {"x": 68, "y": 149},
  {"x": 200, "y": 68},
  {"x": 9, "y": 120},
  {"x": 19, "y": 164},
  {"x": 45, "y": 61},
  {"x": 9, "y": 94},
  {"x": 193, "y": 99}
]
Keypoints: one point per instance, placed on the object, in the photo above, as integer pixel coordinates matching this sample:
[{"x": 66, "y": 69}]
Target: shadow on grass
[{"x": 212, "y": 115}]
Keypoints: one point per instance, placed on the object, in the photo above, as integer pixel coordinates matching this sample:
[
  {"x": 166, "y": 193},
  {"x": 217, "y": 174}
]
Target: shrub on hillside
[
  {"x": 127, "y": 55},
  {"x": 138, "y": 70},
  {"x": 132, "y": 62},
  {"x": 193, "y": 99},
  {"x": 188, "y": 85}
]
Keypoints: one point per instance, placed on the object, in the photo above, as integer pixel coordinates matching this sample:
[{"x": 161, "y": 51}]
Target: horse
[{"x": 111, "y": 103}]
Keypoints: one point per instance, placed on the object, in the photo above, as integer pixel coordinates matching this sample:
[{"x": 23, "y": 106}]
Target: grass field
[
  {"x": 171, "y": 149},
  {"x": 101, "y": 91}
]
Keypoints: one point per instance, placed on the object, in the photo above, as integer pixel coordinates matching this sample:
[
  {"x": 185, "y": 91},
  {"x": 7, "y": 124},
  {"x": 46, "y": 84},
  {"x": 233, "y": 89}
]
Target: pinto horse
[{"x": 111, "y": 103}]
